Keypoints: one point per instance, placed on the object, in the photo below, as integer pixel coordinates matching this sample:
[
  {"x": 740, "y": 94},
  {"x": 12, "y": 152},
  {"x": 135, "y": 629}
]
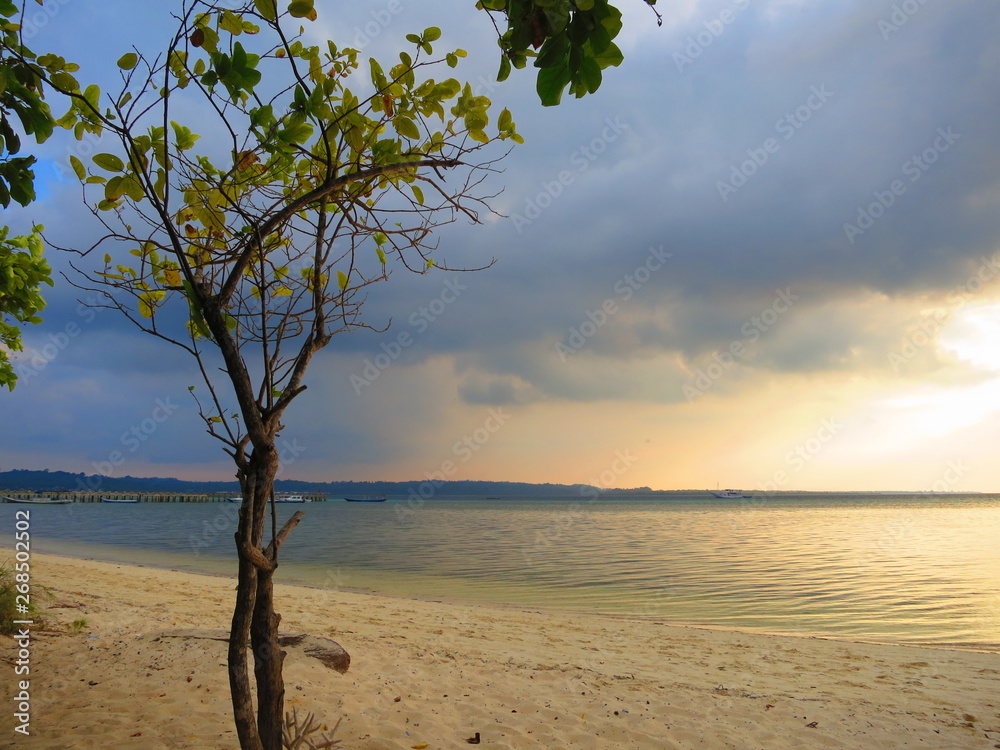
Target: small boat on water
[
  {"x": 283, "y": 498},
  {"x": 730, "y": 494},
  {"x": 277, "y": 499},
  {"x": 366, "y": 499},
  {"x": 119, "y": 500},
  {"x": 35, "y": 500}
]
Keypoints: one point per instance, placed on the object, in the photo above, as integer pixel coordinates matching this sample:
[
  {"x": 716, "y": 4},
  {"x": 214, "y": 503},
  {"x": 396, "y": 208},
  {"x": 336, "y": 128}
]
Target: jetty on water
[{"x": 132, "y": 497}]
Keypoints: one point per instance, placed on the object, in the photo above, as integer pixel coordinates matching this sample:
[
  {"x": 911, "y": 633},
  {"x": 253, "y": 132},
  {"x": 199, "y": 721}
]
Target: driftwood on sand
[{"x": 331, "y": 653}]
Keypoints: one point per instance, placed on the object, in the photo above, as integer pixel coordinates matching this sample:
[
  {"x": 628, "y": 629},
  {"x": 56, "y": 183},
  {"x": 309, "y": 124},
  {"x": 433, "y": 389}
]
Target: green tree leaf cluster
[
  {"x": 571, "y": 41},
  {"x": 22, "y": 272},
  {"x": 24, "y": 112}
]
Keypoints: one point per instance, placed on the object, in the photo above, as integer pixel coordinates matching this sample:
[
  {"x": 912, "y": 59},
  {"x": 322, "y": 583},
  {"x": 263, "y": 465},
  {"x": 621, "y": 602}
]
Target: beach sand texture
[{"x": 436, "y": 673}]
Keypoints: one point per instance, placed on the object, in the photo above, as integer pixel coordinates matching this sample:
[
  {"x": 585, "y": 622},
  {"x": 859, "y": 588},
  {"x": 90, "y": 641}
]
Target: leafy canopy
[{"x": 24, "y": 112}]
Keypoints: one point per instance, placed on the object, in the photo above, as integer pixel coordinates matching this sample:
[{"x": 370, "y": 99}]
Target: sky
[{"x": 765, "y": 255}]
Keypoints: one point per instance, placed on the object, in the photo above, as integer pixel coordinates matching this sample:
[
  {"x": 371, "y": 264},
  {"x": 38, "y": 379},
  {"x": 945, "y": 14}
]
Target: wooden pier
[{"x": 154, "y": 497}]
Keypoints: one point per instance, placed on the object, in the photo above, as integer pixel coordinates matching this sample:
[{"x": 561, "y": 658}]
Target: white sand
[{"x": 426, "y": 672}]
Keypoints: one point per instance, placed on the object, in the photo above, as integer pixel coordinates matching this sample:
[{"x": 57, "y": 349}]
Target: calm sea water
[{"x": 913, "y": 570}]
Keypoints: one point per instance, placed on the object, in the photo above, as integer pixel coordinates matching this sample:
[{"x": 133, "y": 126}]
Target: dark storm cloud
[{"x": 742, "y": 154}]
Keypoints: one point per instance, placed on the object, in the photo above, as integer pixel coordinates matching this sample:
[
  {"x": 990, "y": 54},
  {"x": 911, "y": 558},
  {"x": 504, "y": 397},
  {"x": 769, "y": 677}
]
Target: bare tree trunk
[
  {"x": 254, "y": 621},
  {"x": 268, "y": 660},
  {"x": 239, "y": 637}
]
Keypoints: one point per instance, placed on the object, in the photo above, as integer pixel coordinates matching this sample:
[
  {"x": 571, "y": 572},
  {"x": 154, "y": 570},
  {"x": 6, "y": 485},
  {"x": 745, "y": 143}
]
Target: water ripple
[{"x": 917, "y": 571}]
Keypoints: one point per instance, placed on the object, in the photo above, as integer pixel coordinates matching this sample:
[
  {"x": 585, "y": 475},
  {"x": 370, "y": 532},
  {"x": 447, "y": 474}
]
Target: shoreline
[
  {"x": 427, "y": 671},
  {"x": 540, "y": 609}
]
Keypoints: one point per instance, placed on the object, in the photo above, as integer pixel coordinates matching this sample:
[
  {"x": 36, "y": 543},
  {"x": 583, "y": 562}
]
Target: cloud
[{"x": 741, "y": 138}]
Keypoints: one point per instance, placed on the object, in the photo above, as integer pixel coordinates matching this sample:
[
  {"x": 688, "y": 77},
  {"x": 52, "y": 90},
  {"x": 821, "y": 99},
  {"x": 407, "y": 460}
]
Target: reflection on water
[{"x": 916, "y": 570}]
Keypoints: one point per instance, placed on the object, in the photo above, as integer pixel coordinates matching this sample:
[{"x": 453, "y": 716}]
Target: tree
[
  {"x": 251, "y": 249},
  {"x": 22, "y": 267}
]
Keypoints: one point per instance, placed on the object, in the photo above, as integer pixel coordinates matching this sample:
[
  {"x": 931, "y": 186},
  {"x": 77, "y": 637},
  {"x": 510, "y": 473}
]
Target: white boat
[
  {"x": 119, "y": 500},
  {"x": 283, "y": 498},
  {"x": 35, "y": 500},
  {"x": 277, "y": 498},
  {"x": 729, "y": 494}
]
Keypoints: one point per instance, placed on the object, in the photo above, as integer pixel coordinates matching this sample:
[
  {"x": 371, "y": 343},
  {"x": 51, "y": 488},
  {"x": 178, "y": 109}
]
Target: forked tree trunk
[{"x": 254, "y": 620}]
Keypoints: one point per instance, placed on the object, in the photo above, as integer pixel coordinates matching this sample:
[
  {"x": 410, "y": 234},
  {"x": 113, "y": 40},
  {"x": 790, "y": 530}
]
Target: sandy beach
[{"x": 431, "y": 674}]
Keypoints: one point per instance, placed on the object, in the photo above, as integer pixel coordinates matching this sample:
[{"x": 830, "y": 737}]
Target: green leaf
[
  {"x": 342, "y": 280},
  {"x": 267, "y": 8},
  {"x": 406, "y": 127},
  {"x": 504, "y": 69},
  {"x": 418, "y": 194},
  {"x": 78, "y": 167},
  {"x": 432, "y": 34},
  {"x": 183, "y": 136},
  {"x": 301, "y": 8},
  {"x": 128, "y": 61},
  {"x": 550, "y": 84},
  {"x": 109, "y": 162},
  {"x": 231, "y": 22}
]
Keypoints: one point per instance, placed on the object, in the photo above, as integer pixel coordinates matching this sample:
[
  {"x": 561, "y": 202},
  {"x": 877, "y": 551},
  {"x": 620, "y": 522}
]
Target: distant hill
[{"x": 63, "y": 481}]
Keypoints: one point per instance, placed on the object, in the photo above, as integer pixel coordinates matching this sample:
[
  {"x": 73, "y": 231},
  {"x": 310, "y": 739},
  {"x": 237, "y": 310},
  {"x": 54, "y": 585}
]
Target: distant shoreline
[{"x": 62, "y": 481}]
